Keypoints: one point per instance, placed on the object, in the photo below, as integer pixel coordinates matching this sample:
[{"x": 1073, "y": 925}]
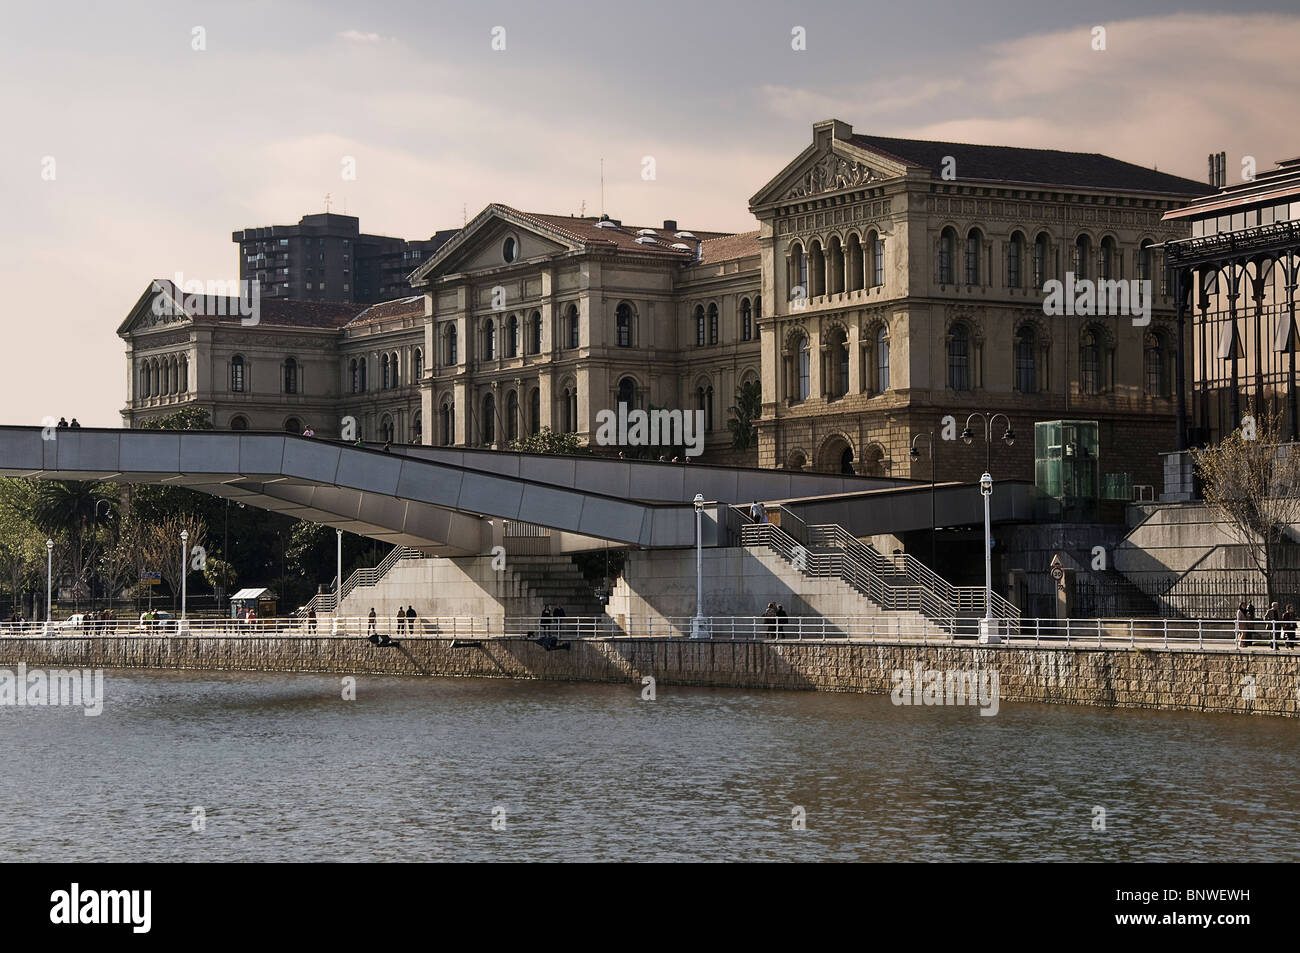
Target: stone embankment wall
[{"x": 1260, "y": 681}]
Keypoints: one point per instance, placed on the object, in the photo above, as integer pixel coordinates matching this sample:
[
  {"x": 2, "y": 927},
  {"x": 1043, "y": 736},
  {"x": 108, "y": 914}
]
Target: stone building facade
[
  {"x": 890, "y": 284},
  {"x": 906, "y": 281}
]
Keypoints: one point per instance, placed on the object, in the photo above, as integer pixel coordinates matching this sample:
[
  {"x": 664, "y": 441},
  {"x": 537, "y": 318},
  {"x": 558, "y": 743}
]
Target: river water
[{"x": 419, "y": 768}]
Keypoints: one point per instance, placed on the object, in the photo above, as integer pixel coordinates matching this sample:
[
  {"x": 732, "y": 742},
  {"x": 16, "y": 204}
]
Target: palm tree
[{"x": 70, "y": 512}]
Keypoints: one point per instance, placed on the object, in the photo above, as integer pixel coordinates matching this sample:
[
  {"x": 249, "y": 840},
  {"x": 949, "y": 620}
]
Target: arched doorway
[{"x": 836, "y": 455}]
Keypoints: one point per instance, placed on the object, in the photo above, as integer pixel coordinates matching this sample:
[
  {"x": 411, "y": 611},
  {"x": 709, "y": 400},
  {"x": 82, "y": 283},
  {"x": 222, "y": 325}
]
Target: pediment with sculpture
[{"x": 831, "y": 173}]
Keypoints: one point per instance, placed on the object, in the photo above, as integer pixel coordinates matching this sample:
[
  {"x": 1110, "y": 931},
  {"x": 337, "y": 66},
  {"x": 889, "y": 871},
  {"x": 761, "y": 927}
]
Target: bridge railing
[{"x": 1106, "y": 634}]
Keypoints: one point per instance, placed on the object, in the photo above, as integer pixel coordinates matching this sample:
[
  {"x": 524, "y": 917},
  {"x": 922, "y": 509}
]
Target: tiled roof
[
  {"x": 412, "y": 306},
  {"x": 621, "y": 238},
  {"x": 729, "y": 248},
  {"x": 1088, "y": 170},
  {"x": 282, "y": 312}
]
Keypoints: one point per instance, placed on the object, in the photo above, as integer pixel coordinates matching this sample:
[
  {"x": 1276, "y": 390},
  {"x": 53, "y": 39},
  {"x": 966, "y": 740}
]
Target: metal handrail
[{"x": 1083, "y": 634}]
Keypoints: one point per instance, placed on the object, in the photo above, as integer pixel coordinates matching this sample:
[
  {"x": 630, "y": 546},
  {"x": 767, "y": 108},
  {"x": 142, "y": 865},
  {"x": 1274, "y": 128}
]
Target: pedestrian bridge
[{"x": 452, "y": 501}]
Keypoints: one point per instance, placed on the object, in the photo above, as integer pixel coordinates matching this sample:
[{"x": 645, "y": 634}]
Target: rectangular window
[
  {"x": 284, "y": 241},
  {"x": 1265, "y": 216},
  {"x": 878, "y": 263}
]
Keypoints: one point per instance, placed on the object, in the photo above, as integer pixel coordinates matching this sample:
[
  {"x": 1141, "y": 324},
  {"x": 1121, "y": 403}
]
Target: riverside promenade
[{"x": 1117, "y": 663}]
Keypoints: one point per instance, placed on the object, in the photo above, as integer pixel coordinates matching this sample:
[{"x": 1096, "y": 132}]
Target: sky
[{"x": 137, "y": 136}]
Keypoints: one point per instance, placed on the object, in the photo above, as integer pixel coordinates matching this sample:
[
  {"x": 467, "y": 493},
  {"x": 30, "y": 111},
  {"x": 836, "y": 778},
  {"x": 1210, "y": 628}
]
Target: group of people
[
  {"x": 758, "y": 512},
  {"x": 405, "y": 625},
  {"x": 774, "y": 613},
  {"x": 63, "y": 423},
  {"x": 1276, "y": 626},
  {"x": 550, "y": 625}
]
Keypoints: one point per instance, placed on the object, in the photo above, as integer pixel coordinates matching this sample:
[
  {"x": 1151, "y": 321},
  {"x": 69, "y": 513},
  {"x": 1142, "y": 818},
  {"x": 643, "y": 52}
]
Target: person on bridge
[
  {"x": 770, "y": 615},
  {"x": 371, "y": 629},
  {"x": 1289, "y": 625},
  {"x": 410, "y": 620},
  {"x": 557, "y": 613},
  {"x": 311, "y": 621},
  {"x": 781, "y": 615},
  {"x": 62, "y": 424},
  {"x": 74, "y": 425}
]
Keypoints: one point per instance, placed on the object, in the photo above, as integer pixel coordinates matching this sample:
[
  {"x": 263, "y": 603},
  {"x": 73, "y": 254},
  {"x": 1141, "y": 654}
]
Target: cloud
[{"x": 356, "y": 36}]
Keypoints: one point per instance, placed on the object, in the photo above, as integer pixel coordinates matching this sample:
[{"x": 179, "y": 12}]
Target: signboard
[{"x": 150, "y": 578}]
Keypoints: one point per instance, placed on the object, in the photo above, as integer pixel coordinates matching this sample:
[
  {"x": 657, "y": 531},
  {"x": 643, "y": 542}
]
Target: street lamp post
[
  {"x": 916, "y": 455},
  {"x": 338, "y": 577},
  {"x": 49, "y": 580},
  {"x": 185, "y": 537},
  {"x": 697, "y": 625},
  {"x": 988, "y": 630}
]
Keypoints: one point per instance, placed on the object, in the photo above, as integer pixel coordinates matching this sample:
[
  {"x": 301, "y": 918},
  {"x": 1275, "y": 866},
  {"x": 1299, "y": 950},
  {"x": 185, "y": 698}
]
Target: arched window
[
  {"x": 143, "y": 387},
  {"x": 489, "y": 340},
  {"x": 385, "y": 378},
  {"x": 452, "y": 350},
  {"x": 758, "y": 307},
  {"x": 386, "y": 429},
  {"x": 835, "y": 262},
  {"x": 1080, "y": 260},
  {"x": 623, "y": 324},
  {"x": 627, "y": 393},
  {"x": 239, "y": 423},
  {"x": 947, "y": 247},
  {"x": 1015, "y": 256},
  {"x": 699, "y": 325},
  {"x": 418, "y": 358},
  {"x": 798, "y": 272},
  {"x": 1026, "y": 372},
  {"x": 816, "y": 269},
  {"x": 185, "y": 375},
  {"x": 805, "y": 368},
  {"x": 512, "y": 416},
  {"x": 512, "y": 336},
  {"x": 1144, "y": 260},
  {"x": 1090, "y": 363},
  {"x": 568, "y": 417},
  {"x": 959, "y": 358},
  {"x": 854, "y": 269},
  {"x": 1155, "y": 366},
  {"x": 537, "y": 332},
  {"x": 746, "y": 320},
  {"x": 1106, "y": 260},
  {"x": 489, "y": 419},
  {"x": 877, "y": 260},
  {"x": 571, "y": 325},
  {"x": 354, "y": 376},
  {"x": 293, "y": 425},
  {"x": 448, "y": 423},
  {"x": 362, "y": 365},
  {"x": 974, "y": 239},
  {"x": 838, "y": 370},
  {"x": 882, "y": 360},
  {"x": 290, "y": 376},
  {"x": 237, "y": 374},
  {"x": 535, "y": 411},
  {"x": 417, "y": 426},
  {"x": 704, "y": 403},
  {"x": 713, "y": 323},
  {"x": 396, "y": 371},
  {"x": 1040, "y": 260}
]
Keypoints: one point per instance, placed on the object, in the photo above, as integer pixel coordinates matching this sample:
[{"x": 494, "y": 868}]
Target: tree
[
  {"x": 1252, "y": 484},
  {"x": 187, "y": 418},
  {"x": 548, "y": 441},
  {"x": 162, "y": 546},
  {"x": 748, "y": 408},
  {"x": 22, "y": 545},
  {"x": 71, "y": 512}
]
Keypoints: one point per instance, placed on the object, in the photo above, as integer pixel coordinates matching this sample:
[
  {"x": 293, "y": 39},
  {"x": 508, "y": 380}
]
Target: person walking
[
  {"x": 1272, "y": 616},
  {"x": 770, "y": 615},
  {"x": 1251, "y": 625},
  {"x": 311, "y": 621},
  {"x": 1240, "y": 628},
  {"x": 401, "y": 620},
  {"x": 371, "y": 631},
  {"x": 1289, "y": 625}
]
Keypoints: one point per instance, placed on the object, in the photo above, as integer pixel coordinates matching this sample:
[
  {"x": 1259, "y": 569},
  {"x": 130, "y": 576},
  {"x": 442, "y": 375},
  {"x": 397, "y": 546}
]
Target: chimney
[
  {"x": 1218, "y": 169},
  {"x": 670, "y": 225}
]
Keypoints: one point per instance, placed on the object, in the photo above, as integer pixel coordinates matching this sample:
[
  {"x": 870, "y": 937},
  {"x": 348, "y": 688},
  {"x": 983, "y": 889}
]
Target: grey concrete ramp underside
[{"x": 434, "y": 506}]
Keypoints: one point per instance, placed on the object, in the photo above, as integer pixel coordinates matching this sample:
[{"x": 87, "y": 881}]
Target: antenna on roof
[
  {"x": 582, "y": 209},
  {"x": 327, "y": 203},
  {"x": 464, "y": 214},
  {"x": 602, "y": 186}
]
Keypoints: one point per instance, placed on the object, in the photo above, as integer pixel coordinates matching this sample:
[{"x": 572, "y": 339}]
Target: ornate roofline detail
[{"x": 830, "y": 174}]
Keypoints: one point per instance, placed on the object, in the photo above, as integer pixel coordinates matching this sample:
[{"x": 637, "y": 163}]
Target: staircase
[
  {"x": 895, "y": 583},
  {"x": 369, "y": 576},
  {"x": 556, "y": 580}
]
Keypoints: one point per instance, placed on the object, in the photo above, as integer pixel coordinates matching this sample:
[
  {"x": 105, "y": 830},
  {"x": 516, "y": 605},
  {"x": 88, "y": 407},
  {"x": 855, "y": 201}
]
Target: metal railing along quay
[{"x": 1112, "y": 634}]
